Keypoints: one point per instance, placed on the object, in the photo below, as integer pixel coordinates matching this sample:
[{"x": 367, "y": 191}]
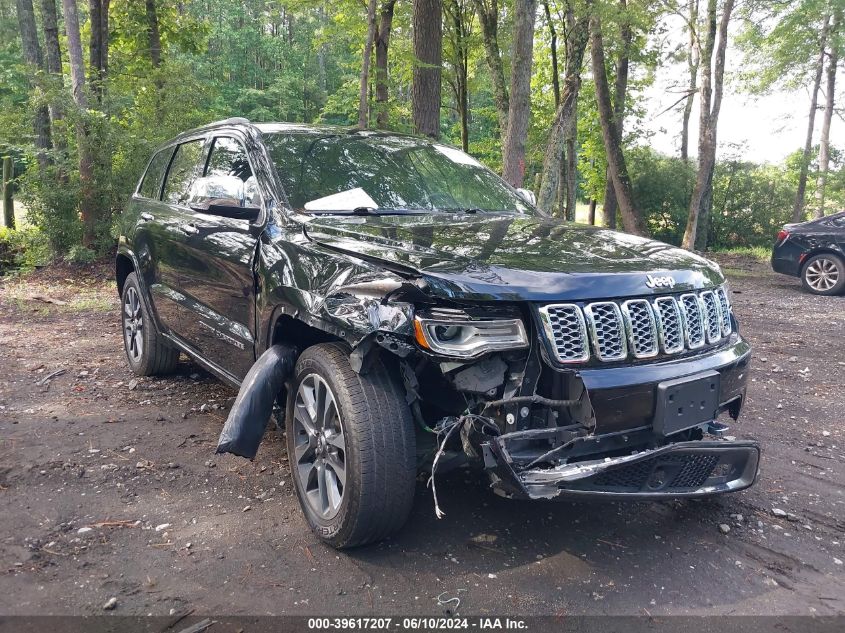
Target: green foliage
[
  {"x": 750, "y": 202},
  {"x": 51, "y": 199},
  {"x": 662, "y": 187},
  {"x": 761, "y": 254},
  {"x": 79, "y": 254},
  {"x": 23, "y": 249},
  {"x": 781, "y": 42},
  {"x": 300, "y": 60}
]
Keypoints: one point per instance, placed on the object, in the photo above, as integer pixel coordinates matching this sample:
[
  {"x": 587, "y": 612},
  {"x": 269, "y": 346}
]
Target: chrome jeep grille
[
  {"x": 713, "y": 320},
  {"x": 568, "y": 331},
  {"x": 670, "y": 324},
  {"x": 606, "y": 331},
  {"x": 693, "y": 320},
  {"x": 725, "y": 307},
  {"x": 641, "y": 327},
  {"x": 638, "y": 328}
]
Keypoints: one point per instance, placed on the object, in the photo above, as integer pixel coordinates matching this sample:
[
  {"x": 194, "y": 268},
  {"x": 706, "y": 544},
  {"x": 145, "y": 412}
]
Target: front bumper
[
  {"x": 627, "y": 455},
  {"x": 683, "y": 469},
  {"x": 624, "y": 397}
]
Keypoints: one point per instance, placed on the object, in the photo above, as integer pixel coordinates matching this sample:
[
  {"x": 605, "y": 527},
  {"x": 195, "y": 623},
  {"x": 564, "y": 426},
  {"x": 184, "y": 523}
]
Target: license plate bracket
[{"x": 686, "y": 402}]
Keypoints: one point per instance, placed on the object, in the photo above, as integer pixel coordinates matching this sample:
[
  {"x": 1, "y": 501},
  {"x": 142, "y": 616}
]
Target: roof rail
[{"x": 234, "y": 119}]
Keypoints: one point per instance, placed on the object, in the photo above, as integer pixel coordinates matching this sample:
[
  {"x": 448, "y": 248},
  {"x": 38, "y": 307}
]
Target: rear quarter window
[{"x": 151, "y": 184}]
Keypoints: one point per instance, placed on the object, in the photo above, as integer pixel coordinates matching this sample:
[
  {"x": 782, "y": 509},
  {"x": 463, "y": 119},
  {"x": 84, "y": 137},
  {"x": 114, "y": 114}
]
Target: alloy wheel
[
  {"x": 320, "y": 447},
  {"x": 822, "y": 274},
  {"x": 133, "y": 325}
]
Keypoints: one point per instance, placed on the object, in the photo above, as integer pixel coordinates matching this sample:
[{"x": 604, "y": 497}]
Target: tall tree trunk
[
  {"x": 824, "y": 141},
  {"x": 8, "y": 217},
  {"x": 712, "y": 82},
  {"x": 561, "y": 187},
  {"x": 88, "y": 208},
  {"x": 798, "y": 207},
  {"x": 104, "y": 37},
  {"x": 382, "y": 47},
  {"x": 428, "y": 53},
  {"x": 565, "y": 114},
  {"x": 488, "y": 15},
  {"x": 575, "y": 47},
  {"x": 553, "y": 47},
  {"x": 35, "y": 62},
  {"x": 571, "y": 143},
  {"x": 363, "y": 110},
  {"x": 632, "y": 220},
  {"x": 98, "y": 46},
  {"x": 153, "y": 36},
  {"x": 50, "y": 22},
  {"x": 458, "y": 31},
  {"x": 620, "y": 91},
  {"x": 693, "y": 57},
  {"x": 519, "y": 107}
]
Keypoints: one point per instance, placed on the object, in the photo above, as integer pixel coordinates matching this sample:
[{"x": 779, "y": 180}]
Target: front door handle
[
  {"x": 147, "y": 217},
  {"x": 190, "y": 229}
]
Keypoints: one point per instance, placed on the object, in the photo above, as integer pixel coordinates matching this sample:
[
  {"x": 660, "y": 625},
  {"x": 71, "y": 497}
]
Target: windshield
[{"x": 346, "y": 172}]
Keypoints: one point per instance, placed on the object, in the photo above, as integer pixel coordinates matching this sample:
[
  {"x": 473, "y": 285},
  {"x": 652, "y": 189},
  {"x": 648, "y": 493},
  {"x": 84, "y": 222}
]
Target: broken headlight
[{"x": 469, "y": 338}]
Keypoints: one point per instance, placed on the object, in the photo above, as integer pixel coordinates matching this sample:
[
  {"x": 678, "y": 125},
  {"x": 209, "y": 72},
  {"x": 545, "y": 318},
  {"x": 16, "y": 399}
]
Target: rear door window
[
  {"x": 184, "y": 169},
  {"x": 151, "y": 184}
]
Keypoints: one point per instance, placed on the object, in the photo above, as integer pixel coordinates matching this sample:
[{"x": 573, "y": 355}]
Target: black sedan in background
[{"x": 815, "y": 252}]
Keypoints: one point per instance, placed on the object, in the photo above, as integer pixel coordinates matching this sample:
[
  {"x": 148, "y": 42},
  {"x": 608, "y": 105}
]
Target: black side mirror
[{"x": 232, "y": 211}]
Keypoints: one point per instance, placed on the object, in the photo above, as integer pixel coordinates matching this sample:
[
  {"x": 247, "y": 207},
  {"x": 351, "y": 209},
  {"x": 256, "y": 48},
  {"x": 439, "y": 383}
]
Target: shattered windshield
[{"x": 346, "y": 172}]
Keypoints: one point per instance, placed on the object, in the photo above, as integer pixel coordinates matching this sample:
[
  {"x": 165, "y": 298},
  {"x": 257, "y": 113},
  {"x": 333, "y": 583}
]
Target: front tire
[
  {"x": 824, "y": 275},
  {"x": 351, "y": 448},
  {"x": 148, "y": 354}
]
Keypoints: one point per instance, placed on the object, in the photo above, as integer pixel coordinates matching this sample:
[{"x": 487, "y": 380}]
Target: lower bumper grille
[
  {"x": 676, "y": 471},
  {"x": 684, "y": 469}
]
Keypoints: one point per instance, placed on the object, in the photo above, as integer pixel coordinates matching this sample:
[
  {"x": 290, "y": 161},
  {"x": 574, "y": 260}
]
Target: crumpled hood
[{"x": 514, "y": 257}]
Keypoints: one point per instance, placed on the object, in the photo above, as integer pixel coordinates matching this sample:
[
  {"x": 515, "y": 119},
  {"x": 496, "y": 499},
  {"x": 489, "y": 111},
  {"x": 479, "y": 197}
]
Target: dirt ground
[{"x": 109, "y": 488}]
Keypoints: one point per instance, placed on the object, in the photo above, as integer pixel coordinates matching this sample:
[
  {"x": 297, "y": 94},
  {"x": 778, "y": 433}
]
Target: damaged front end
[
  {"x": 487, "y": 391},
  {"x": 480, "y": 381}
]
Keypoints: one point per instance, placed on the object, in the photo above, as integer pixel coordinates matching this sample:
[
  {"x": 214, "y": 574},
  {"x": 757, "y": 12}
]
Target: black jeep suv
[{"x": 400, "y": 308}]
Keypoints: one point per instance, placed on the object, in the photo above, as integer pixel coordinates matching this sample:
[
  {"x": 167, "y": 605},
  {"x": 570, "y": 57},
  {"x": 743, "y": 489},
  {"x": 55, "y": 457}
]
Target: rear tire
[
  {"x": 824, "y": 274},
  {"x": 355, "y": 432},
  {"x": 148, "y": 354}
]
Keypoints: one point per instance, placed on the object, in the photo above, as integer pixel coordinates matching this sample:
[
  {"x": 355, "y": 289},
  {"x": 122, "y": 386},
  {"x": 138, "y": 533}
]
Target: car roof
[{"x": 293, "y": 128}]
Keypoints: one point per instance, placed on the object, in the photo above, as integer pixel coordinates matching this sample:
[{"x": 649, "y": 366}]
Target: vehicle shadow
[{"x": 545, "y": 545}]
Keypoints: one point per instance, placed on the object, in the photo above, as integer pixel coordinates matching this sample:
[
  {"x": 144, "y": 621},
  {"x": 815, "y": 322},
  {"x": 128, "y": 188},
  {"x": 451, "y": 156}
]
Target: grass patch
[
  {"x": 739, "y": 272},
  {"x": 44, "y": 299},
  {"x": 758, "y": 253}
]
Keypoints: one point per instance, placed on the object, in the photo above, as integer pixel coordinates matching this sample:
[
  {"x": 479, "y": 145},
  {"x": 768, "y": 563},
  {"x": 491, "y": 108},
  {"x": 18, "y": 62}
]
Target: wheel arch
[
  {"x": 289, "y": 330},
  {"x": 123, "y": 267},
  {"x": 823, "y": 250}
]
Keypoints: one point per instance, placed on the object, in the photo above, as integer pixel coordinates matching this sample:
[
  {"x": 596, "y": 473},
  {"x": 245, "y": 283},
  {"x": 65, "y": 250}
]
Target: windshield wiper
[
  {"x": 475, "y": 210},
  {"x": 367, "y": 211}
]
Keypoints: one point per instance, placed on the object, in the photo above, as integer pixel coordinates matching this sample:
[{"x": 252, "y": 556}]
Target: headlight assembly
[{"x": 469, "y": 338}]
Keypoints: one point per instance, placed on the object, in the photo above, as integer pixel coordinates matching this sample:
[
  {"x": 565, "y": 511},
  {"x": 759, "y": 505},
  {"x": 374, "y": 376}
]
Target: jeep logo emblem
[{"x": 660, "y": 282}]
